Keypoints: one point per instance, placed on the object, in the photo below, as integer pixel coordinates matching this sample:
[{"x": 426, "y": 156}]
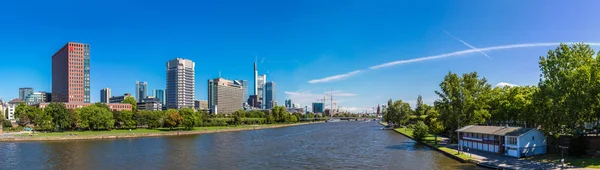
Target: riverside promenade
[{"x": 485, "y": 159}]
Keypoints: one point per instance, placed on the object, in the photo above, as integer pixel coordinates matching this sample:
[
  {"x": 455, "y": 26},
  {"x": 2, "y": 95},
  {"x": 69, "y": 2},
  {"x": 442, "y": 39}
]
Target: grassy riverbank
[
  {"x": 574, "y": 161},
  {"x": 430, "y": 140},
  {"x": 112, "y": 134}
]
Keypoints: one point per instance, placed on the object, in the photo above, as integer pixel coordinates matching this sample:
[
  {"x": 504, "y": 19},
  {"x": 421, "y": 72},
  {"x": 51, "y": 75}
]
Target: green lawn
[
  {"x": 117, "y": 132},
  {"x": 574, "y": 161},
  {"x": 430, "y": 139}
]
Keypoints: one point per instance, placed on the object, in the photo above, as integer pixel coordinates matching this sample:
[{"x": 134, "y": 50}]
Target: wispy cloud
[
  {"x": 457, "y": 53},
  {"x": 467, "y": 44},
  {"x": 463, "y": 52},
  {"x": 502, "y": 84},
  {"x": 335, "y": 77}
]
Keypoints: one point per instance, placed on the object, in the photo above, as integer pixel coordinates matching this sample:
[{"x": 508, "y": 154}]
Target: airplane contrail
[
  {"x": 467, "y": 44},
  {"x": 463, "y": 52},
  {"x": 334, "y": 78},
  {"x": 457, "y": 53}
]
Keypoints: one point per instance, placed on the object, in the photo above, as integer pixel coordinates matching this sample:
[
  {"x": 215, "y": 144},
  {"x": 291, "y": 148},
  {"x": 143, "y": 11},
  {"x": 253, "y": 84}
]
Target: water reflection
[{"x": 340, "y": 145}]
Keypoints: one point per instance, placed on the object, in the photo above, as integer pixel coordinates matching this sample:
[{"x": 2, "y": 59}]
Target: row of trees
[
  {"x": 98, "y": 116},
  {"x": 565, "y": 100}
]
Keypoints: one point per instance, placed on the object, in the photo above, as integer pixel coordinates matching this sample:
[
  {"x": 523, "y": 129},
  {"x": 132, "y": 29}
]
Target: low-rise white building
[
  {"x": 509, "y": 141},
  {"x": 12, "y": 107}
]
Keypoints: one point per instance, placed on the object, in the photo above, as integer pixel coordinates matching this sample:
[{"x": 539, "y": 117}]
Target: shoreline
[
  {"x": 448, "y": 154},
  {"x": 142, "y": 135}
]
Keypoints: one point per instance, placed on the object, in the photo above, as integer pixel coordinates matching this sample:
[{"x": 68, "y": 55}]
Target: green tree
[
  {"x": 421, "y": 131},
  {"x": 270, "y": 119},
  {"x": 419, "y": 110},
  {"x": 25, "y": 114},
  {"x": 43, "y": 120},
  {"x": 237, "y": 120},
  {"x": 156, "y": 119},
  {"x": 398, "y": 112},
  {"x": 569, "y": 93},
  {"x": 190, "y": 118},
  {"x": 125, "y": 119},
  {"x": 58, "y": 112},
  {"x": 173, "y": 119},
  {"x": 72, "y": 119},
  {"x": 7, "y": 123},
  {"x": 131, "y": 100},
  {"x": 21, "y": 109},
  {"x": 463, "y": 101},
  {"x": 141, "y": 117},
  {"x": 95, "y": 118}
]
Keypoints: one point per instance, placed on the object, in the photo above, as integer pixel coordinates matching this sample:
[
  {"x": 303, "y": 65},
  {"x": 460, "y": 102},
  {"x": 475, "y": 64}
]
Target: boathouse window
[{"x": 512, "y": 140}]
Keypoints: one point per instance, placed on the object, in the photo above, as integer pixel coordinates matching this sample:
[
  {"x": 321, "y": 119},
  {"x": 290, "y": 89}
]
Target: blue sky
[{"x": 294, "y": 42}]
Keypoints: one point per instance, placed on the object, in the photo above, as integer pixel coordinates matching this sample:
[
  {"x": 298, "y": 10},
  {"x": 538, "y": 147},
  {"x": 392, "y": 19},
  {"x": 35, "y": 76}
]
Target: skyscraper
[
  {"x": 269, "y": 91},
  {"x": 224, "y": 96},
  {"x": 180, "y": 83},
  {"x": 288, "y": 103},
  {"x": 24, "y": 92},
  {"x": 318, "y": 107},
  {"x": 141, "y": 90},
  {"x": 261, "y": 89},
  {"x": 160, "y": 95},
  {"x": 244, "y": 84},
  {"x": 71, "y": 73},
  {"x": 255, "y": 80},
  {"x": 105, "y": 95}
]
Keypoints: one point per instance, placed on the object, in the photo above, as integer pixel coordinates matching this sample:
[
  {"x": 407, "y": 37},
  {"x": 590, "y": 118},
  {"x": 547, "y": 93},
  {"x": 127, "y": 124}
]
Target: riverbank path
[{"x": 505, "y": 162}]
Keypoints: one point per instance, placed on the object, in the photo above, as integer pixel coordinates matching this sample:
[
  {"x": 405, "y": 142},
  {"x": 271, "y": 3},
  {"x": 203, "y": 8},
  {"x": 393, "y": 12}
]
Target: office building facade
[
  {"x": 24, "y": 92},
  {"x": 46, "y": 96},
  {"x": 71, "y": 73},
  {"x": 160, "y": 95},
  {"x": 244, "y": 84},
  {"x": 141, "y": 90},
  {"x": 105, "y": 95},
  {"x": 224, "y": 96},
  {"x": 118, "y": 99},
  {"x": 35, "y": 98},
  {"x": 201, "y": 104},
  {"x": 288, "y": 103},
  {"x": 318, "y": 107},
  {"x": 262, "y": 80},
  {"x": 180, "y": 84},
  {"x": 150, "y": 103},
  {"x": 270, "y": 98}
]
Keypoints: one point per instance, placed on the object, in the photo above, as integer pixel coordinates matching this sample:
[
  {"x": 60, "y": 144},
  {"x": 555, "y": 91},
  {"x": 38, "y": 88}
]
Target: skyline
[{"x": 365, "y": 52}]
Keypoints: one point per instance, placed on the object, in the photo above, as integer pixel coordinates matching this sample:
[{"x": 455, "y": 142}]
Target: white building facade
[{"x": 510, "y": 141}]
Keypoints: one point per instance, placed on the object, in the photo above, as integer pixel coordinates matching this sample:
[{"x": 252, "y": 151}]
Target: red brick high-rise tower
[{"x": 71, "y": 74}]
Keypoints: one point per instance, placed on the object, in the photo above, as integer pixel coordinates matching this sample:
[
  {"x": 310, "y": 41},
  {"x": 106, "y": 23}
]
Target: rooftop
[{"x": 495, "y": 130}]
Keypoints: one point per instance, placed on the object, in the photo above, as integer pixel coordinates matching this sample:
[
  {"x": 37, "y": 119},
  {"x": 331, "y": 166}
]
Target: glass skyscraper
[
  {"x": 24, "y": 92},
  {"x": 160, "y": 95},
  {"x": 141, "y": 90},
  {"x": 270, "y": 99}
]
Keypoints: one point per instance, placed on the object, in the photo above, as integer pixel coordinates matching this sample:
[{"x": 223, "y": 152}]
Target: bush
[
  {"x": 420, "y": 131},
  {"x": 7, "y": 123}
]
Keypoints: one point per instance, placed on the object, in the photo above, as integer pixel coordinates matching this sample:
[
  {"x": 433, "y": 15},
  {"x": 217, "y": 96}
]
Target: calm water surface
[{"x": 337, "y": 145}]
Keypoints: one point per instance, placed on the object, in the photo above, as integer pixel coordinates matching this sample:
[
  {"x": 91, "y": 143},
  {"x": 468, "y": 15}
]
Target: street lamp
[
  {"x": 562, "y": 148},
  {"x": 458, "y": 135}
]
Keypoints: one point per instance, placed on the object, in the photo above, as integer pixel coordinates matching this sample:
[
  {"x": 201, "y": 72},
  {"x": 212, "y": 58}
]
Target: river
[{"x": 334, "y": 145}]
